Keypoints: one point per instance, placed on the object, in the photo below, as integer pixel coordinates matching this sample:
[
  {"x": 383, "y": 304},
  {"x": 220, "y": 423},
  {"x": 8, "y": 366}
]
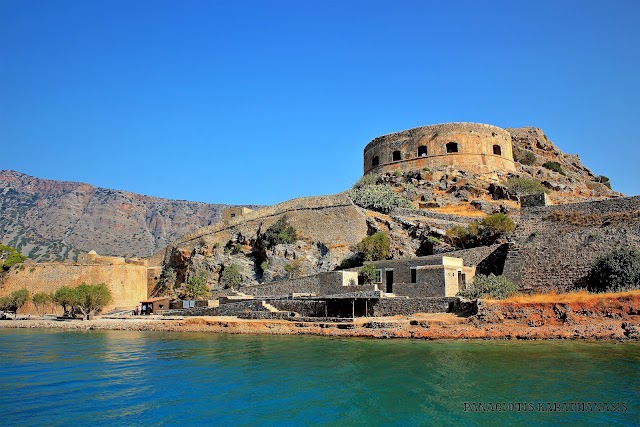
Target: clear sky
[{"x": 257, "y": 102}]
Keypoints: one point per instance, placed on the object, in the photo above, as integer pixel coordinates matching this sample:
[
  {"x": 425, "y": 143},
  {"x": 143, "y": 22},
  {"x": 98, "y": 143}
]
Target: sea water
[{"x": 124, "y": 378}]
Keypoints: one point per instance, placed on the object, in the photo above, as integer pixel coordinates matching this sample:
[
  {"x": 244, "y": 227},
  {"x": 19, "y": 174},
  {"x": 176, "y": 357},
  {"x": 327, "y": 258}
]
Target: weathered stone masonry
[
  {"x": 470, "y": 146},
  {"x": 555, "y": 246}
]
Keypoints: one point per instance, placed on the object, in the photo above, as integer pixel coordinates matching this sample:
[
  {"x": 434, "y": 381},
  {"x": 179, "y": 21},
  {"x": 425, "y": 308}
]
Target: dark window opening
[
  {"x": 375, "y": 161},
  {"x": 452, "y": 147},
  {"x": 413, "y": 275},
  {"x": 233, "y": 215},
  {"x": 422, "y": 151},
  {"x": 396, "y": 156},
  {"x": 497, "y": 150}
]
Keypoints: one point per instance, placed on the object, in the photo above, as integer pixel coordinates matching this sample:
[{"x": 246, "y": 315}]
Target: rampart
[
  {"x": 127, "y": 282},
  {"x": 473, "y": 147},
  {"x": 555, "y": 246}
]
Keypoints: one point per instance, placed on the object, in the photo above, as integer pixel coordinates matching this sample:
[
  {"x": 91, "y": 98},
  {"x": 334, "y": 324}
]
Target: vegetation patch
[
  {"x": 617, "y": 271},
  {"x": 554, "y": 166},
  {"x": 280, "y": 232},
  {"x": 491, "y": 286},
  {"x": 9, "y": 257},
  {"x": 524, "y": 185},
  {"x": 485, "y": 232},
  {"x": 374, "y": 248},
  {"x": 380, "y": 198},
  {"x": 524, "y": 157}
]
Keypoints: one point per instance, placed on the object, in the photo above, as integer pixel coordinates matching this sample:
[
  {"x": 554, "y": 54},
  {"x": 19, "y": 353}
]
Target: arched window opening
[
  {"x": 375, "y": 161},
  {"x": 396, "y": 156},
  {"x": 497, "y": 150},
  {"x": 452, "y": 147},
  {"x": 422, "y": 151}
]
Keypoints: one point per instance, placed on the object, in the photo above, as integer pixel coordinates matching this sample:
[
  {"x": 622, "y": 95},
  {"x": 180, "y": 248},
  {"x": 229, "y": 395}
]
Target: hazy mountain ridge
[{"x": 48, "y": 219}]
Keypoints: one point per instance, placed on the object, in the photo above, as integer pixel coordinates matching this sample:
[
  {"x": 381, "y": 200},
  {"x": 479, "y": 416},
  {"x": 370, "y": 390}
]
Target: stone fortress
[
  {"x": 473, "y": 147},
  {"x": 329, "y": 228}
]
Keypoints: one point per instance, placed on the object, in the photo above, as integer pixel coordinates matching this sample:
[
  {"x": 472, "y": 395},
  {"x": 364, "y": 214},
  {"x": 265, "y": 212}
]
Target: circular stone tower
[{"x": 473, "y": 147}]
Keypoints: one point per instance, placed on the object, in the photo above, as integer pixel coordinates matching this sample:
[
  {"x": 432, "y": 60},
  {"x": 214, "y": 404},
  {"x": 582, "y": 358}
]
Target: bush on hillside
[
  {"x": 374, "y": 248},
  {"x": 498, "y": 223},
  {"x": 230, "y": 277},
  {"x": 525, "y": 186},
  {"x": 554, "y": 166},
  {"x": 368, "y": 179},
  {"x": 617, "y": 271},
  {"x": 9, "y": 257},
  {"x": 280, "y": 232},
  {"x": 486, "y": 232},
  {"x": 491, "y": 286},
  {"x": 524, "y": 157},
  {"x": 380, "y": 198},
  {"x": 603, "y": 180}
]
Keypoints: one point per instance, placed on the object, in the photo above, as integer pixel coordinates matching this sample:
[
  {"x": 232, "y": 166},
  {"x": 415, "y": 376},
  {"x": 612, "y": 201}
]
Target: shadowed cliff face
[{"x": 49, "y": 219}]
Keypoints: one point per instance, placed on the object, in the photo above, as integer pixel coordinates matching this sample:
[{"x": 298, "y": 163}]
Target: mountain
[{"x": 49, "y": 220}]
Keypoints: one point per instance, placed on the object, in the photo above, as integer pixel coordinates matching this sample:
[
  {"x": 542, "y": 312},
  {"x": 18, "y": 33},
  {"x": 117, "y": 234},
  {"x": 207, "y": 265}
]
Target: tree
[
  {"x": 15, "y": 301},
  {"x": 67, "y": 298},
  {"x": 375, "y": 247},
  {"x": 554, "y": 166},
  {"x": 280, "y": 232},
  {"x": 9, "y": 257},
  {"x": 616, "y": 271},
  {"x": 498, "y": 223},
  {"x": 39, "y": 300},
  {"x": 196, "y": 287},
  {"x": 491, "y": 286},
  {"x": 92, "y": 298},
  {"x": 368, "y": 273},
  {"x": 230, "y": 277},
  {"x": 166, "y": 282}
]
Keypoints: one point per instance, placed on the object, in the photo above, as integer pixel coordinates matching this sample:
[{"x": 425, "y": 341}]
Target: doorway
[{"x": 389, "y": 277}]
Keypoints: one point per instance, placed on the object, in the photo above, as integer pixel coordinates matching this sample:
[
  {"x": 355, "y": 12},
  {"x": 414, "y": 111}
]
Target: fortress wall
[
  {"x": 333, "y": 220},
  {"x": 128, "y": 283},
  {"x": 475, "y": 144},
  {"x": 555, "y": 246}
]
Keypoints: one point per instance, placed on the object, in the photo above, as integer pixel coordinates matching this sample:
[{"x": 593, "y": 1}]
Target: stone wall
[
  {"x": 127, "y": 282},
  {"x": 408, "y": 306},
  {"x": 475, "y": 144},
  {"x": 325, "y": 283},
  {"x": 305, "y": 308},
  {"x": 555, "y": 246}
]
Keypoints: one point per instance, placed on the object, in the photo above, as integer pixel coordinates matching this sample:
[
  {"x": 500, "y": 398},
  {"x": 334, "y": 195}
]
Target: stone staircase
[{"x": 270, "y": 308}]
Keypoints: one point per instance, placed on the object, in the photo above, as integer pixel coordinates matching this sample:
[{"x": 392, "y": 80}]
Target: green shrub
[
  {"x": 293, "y": 268},
  {"x": 368, "y": 273},
  {"x": 195, "y": 288},
  {"x": 433, "y": 240},
  {"x": 491, "y": 286},
  {"x": 397, "y": 173},
  {"x": 554, "y": 166},
  {"x": 375, "y": 247},
  {"x": 230, "y": 277},
  {"x": 525, "y": 186},
  {"x": 498, "y": 223},
  {"x": 617, "y": 271},
  {"x": 280, "y": 232},
  {"x": 524, "y": 157},
  {"x": 603, "y": 180},
  {"x": 380, "y": 198},
  {"x": 366, "y": 180},
  {"x": 9, "y": 257}
]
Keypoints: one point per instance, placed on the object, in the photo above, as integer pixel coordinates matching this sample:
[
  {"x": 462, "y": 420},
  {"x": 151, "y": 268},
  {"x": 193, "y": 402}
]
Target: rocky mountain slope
[{"x": 48, "y": 220}]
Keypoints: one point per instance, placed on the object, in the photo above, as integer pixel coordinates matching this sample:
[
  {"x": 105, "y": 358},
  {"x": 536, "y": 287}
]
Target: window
[
  {"x": 413, "y": 275},
  {"x": 396, "y": 156},
  {"x": 452, "y": 147},
  {"x": 375, "y": 161},
  {"x": 497, "y": 150},
  {"x": 378, "y": 277},
  {"x": 422, "y": 151},
  {"x": 233, "y": 215}
]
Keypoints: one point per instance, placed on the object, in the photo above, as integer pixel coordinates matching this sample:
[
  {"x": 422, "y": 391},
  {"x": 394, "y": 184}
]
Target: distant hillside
[{"x": 50, "y": 220}]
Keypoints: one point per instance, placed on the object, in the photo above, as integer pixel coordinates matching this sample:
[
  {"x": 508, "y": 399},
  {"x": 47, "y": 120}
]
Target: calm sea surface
[{"x": 117, "y": 378}]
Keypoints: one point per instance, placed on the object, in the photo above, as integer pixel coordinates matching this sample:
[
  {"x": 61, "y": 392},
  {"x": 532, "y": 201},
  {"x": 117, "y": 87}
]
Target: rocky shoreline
[{"x": 596, "y": 317}]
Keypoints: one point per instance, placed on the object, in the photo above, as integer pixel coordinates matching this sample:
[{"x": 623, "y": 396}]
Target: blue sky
[{"x": 259, "y": 102}]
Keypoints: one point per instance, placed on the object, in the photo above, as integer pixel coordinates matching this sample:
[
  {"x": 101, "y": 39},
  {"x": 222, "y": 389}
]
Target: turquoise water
[{"x": 117, "y": 378}]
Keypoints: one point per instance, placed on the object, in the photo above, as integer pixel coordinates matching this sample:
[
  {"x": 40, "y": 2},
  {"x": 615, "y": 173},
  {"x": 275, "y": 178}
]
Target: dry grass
[
  {"x": 461, "y": 209},
  {"x": 569, "y": 297}
]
